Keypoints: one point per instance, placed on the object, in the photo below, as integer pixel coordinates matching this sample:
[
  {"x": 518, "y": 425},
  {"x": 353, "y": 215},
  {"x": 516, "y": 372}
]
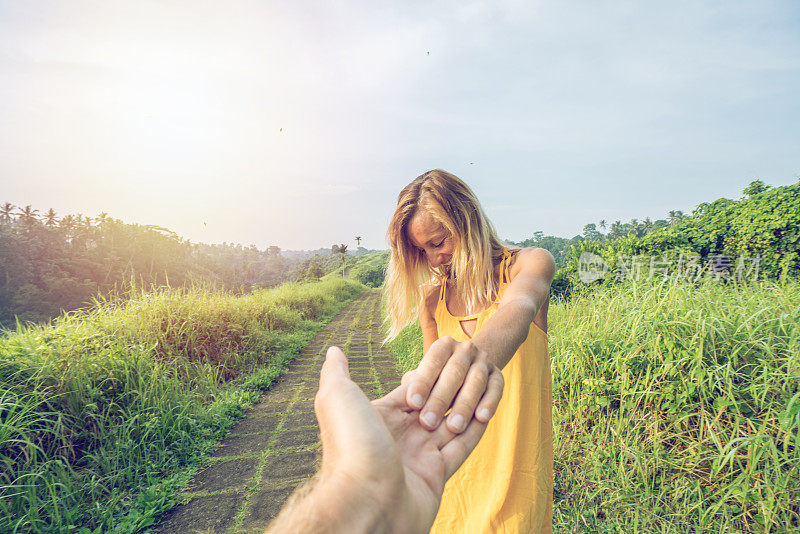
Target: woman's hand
[{"x": 452, "y": 374}]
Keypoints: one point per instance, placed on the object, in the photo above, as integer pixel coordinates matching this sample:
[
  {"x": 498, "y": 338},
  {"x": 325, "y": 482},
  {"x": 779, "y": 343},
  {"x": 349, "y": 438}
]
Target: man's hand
[{"x": 382, "y": 471}]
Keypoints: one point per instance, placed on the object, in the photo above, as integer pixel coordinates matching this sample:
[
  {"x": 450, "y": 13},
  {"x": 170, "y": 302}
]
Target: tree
[
  {"x": 6, "y": 212},
  {"x": 590, "y": 232},
  {"x": 358, "y": 240},
  {"x": 340, "y": 249},
  {"x": 28, "y": 217},
  {"x": 101, "y": 219},
  {"x": 50, "y": 219},
  {"x": 314, "y": 271},
  {"x": 274, "y": 250},
  {"x": 755, "y": 187},
  {"x": 67, "y": 223},
  {"x": 617, "y": 230}
]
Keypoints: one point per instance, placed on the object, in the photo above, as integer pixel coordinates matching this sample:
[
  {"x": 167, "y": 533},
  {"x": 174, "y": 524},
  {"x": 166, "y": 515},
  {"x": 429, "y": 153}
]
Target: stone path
[{"x": 276, "y": 446}]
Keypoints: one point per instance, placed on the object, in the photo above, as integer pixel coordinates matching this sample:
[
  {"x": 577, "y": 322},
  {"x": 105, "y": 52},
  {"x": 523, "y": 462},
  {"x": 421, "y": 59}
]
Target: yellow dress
[{"x": 506, "y": 484}]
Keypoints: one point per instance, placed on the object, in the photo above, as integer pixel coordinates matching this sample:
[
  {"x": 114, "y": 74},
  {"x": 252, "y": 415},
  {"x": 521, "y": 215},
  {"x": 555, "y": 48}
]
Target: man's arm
[{"x": 328, "y": 507}]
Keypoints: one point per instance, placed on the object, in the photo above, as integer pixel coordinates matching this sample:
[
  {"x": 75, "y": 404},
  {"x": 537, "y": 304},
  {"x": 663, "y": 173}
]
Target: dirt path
[{"x": 276, "y": 446}]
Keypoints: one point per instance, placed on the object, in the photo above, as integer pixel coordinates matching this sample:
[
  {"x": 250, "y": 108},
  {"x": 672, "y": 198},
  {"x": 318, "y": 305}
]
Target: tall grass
[
  {"x": 102, "y": 411},
  {"x": 676, "y": 409}
]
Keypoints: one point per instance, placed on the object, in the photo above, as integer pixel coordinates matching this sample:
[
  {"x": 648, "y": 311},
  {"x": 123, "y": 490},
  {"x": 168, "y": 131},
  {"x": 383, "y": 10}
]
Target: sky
[{"x": 297, "y": 123}]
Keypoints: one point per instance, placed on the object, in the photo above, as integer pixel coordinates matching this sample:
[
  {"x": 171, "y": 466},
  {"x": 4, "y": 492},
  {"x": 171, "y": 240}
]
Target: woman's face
[{"x": 431, "y": 238}]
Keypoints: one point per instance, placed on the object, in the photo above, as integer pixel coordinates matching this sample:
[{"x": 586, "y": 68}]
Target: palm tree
[
  {"x": 590, "y": 232},
  {"x": 101, "y": 220},
  {"x": 50, "y": 218},
  {"x": 6, "y": 212},
  {"x": 83, "y": 230},
  {"x": 358, "y": 240},
  {"x": 342, "y": 249},
  {"x": 28, "y": 216},
  {"x": 603, "y": 224},
  {"x": 617, "y": 229},
  {"x": 671, "y": 217},
  {"x": 67, "y": 224}
]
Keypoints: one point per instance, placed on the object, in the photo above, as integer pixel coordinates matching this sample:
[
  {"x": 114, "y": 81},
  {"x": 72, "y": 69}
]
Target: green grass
[
  {"x": 365, "y": 268},
  {"x": 105, "y": 413},
  {"x": 676, "y": 409},
  {"x": 407, "y": 348}
]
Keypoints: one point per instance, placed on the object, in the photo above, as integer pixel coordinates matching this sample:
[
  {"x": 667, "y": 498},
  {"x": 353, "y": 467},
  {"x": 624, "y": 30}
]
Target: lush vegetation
[
  {"x": 101, "y": 409},
  {"x": 49, "y": 264},
  {"x": 363, "y": 266},
  {"x": 369, "y": 269},
  {"x": 756, "y": 237},
  {"x": 676, "y": 407},
  {"x": 561, "y": 247}
]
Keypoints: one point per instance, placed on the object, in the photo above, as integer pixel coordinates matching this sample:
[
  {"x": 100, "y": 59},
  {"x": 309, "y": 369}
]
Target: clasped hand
[
  {"x": 377, "y": 452},
  {"x": 455, "y": 376}
]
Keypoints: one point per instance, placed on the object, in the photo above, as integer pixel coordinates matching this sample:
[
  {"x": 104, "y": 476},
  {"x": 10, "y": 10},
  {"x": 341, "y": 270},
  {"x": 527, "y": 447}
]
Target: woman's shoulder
[{"x": 530, "y": 258}]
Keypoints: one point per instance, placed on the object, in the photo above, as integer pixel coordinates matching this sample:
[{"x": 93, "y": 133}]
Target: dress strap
[
  {"x": 506, "y": 257},
  {"x": 442, "y": 287}
]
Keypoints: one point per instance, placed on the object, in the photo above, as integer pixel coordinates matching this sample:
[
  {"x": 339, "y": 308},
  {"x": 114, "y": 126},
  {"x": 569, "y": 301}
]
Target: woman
[{"x": 481, "y": 307}]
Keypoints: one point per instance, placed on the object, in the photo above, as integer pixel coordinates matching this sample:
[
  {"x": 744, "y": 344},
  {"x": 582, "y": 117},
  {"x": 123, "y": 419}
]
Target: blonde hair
[{"x": 450, "y": 202}]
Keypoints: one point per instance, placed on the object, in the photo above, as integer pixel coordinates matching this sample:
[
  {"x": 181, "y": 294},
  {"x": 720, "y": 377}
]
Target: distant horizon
[{"x": 310, "y": 249}]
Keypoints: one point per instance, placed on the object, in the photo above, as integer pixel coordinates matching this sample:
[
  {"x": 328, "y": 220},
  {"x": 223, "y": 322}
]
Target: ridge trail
[{"x": 275, "y": 448}]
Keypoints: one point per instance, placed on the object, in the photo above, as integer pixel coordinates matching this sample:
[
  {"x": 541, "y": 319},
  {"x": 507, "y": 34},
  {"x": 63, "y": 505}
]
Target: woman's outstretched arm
[{"x": 456, "y": 373}]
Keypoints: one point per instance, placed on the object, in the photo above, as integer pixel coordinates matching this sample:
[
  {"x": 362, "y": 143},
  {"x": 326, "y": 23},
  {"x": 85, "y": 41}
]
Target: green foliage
[
  {"x": 763, "y": 229},
  {"x": 755, "y": 187},
  {"x": 49, "y": 266},
  {"x": 562, "y": 285},
  {"x": 370, "y": 269},
  {"x": 558, "y": 246},
  {"x": 675, "y": 407},
  {"x": 363, "y": 266},
  {"x": 101, "y": 409},
  {"x": 407, "y": 347},
  {"x": 310, "y": 270}
]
